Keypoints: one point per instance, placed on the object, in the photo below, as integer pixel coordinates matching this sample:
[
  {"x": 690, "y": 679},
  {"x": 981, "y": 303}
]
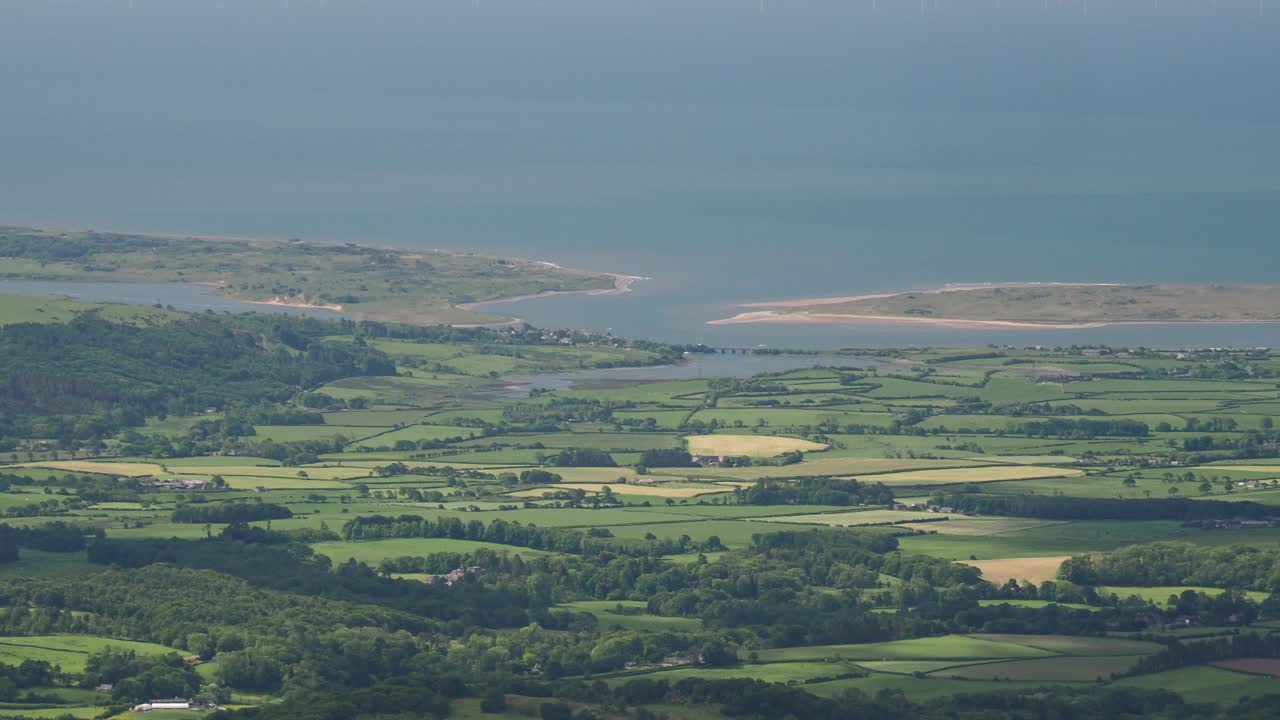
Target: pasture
[
  {"x": 634, "y": 616},
  {"x": 992, "y": 473},
  {"x": 69, "y": 651},
  {"x": 375, "y": 551}
]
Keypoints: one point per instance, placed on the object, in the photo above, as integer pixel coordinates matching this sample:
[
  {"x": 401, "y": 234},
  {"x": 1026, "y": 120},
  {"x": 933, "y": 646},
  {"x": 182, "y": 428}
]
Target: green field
[
  {"x": 375, "y": 551},
  {"x": 604, "y": 612},
  {"x": 949, "y": 647},
  {"x": 1161, "y": 595},
  {"x": 69, "y": 651}
]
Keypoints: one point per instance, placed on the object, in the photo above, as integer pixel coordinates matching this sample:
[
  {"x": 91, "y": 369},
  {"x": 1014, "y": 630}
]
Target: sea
[{"x": 729, "y": 151}]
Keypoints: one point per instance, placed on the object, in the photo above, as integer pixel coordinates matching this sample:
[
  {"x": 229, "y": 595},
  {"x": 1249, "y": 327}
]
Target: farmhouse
[
  {"x": 453, "y": 576},
  {"x": 175, "y": 483},
  {"x": 706, "y": 460},
  {"x": 169, "y": 704}
]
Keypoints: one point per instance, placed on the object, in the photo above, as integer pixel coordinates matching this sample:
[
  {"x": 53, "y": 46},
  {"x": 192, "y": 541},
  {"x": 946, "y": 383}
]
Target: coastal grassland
[
  {"x": 419, "y": 286},
  {"x": 1068, "y": 304},
  {"x": 22, "y": 308},
  {"x": 750, "y": 445}
]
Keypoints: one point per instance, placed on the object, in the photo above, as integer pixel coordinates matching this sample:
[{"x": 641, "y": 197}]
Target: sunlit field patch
[
  {"x": 963, "y": 475},
  {"x": 108, "y": 468},
  {"x": 750, "y": 445},
  {"x": 1035, "y": 569}
]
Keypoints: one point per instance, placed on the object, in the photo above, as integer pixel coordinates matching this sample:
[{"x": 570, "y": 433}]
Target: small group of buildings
[
  {"x": 453, "y": 576},
  {"x": 172, "y": 704},
  {"x": 711, "y": 460},
  {"x": 918, "y": 507},
  {"x": 175, "y": 483}
]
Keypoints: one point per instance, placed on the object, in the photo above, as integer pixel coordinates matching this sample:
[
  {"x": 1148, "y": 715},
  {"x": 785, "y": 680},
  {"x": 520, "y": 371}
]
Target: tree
[{"x": 1205, "y": 488}]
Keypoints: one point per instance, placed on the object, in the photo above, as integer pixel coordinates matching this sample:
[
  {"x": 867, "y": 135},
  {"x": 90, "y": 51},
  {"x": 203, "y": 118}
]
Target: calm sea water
[{"x": 818, "y": 148}]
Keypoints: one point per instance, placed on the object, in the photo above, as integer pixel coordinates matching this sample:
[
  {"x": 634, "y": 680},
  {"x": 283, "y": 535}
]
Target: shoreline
[
  {"x": 771, "y": 317},
  {"x": 621, "y": 283},
  {"x": 781, "y": 318},
  {"x": 773, "y": 312},
  {"x": 282, "y": 302},
  {"x": 949, "y": 287}
]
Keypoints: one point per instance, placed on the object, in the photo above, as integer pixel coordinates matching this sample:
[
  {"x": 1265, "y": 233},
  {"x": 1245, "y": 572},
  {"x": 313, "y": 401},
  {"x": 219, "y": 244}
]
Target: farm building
[{"x": 168, "y": 704}]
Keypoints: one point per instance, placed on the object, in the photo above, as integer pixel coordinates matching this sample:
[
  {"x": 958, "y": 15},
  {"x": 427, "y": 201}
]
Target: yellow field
[
  {"x": 1035, "y": 569},
  {"x": 429, "y": 462},
  {"x": 249, "y": 482},
  {"x": 661, "y": 490},
  {"x": 313, "y": 473},
  {"x": 750, "y": 445},
  {"x": 978, "y": 474},
  {"x": 109, "y": 468},
  {"x": 820, "y": 467}
]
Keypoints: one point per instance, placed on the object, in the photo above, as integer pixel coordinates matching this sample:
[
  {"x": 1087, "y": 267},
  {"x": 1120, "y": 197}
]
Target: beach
[{"x": 803, "y": 312}]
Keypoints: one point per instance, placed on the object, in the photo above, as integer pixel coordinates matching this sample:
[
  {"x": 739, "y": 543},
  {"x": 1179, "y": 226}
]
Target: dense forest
[{"x": 90, "y": 378}]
